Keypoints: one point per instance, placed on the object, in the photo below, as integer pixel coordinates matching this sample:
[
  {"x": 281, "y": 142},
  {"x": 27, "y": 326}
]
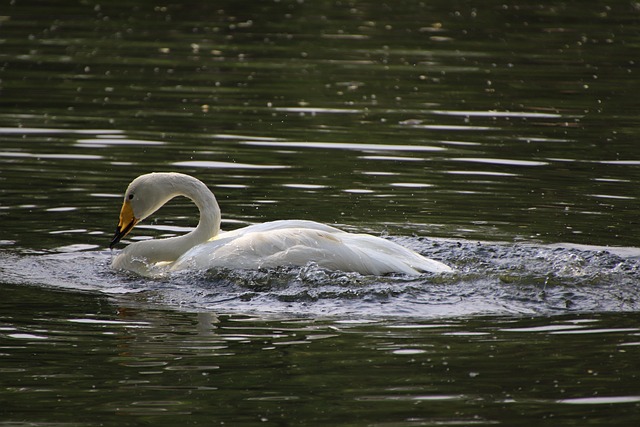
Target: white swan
[{"x": 268, "y": 245}]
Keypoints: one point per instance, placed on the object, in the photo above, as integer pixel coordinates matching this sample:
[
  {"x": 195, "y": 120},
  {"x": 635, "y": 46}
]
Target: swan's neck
[
  {"x": 140, "y": 256},
  {"x": 209, "y": 224}
]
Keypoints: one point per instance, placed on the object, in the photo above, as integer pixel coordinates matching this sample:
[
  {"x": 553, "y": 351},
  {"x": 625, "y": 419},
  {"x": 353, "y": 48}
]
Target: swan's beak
[{"x": 127, "y": 222}]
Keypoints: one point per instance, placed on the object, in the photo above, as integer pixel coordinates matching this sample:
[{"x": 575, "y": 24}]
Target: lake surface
[{"x": 498, "y": 138}]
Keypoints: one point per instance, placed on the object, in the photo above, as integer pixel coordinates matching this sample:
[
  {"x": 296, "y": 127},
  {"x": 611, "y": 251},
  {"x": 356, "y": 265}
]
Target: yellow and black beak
[{"x": 125, "y": 225}]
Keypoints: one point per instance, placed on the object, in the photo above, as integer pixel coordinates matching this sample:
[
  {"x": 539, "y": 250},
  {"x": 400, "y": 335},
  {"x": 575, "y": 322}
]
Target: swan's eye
[{"x": 130, "y": 197}]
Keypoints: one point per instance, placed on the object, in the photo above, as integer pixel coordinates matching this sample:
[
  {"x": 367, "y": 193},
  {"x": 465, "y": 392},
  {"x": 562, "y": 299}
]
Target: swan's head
[{"x": 145, "y": 195}]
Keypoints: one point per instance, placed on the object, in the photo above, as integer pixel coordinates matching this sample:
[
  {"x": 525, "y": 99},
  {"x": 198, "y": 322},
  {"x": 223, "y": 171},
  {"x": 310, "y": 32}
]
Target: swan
[{"x": 267, "y": 245}]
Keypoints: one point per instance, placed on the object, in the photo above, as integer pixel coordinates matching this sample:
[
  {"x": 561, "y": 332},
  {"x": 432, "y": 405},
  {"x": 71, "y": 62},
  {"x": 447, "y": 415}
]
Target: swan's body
[{"x": 268, "y": 245}]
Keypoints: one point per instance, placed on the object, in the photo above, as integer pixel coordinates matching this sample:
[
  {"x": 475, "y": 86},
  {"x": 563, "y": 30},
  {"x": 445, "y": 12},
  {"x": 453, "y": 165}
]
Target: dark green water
[
  {"x": 500, "y": 138},
  {"x": 82, "y": 359}
]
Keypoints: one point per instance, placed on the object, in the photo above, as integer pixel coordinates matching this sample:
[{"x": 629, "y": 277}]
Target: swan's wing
[
  {"x": 280, "y": 225},
  {"x": 261, "y": 247},
  {"x": 384, "y": 256},
  {"x": 287, "y": 245}
]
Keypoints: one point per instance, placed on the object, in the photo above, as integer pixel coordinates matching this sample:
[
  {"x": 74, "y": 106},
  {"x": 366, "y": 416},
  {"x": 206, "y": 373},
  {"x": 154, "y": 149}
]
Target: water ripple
[
  {"x": 490, "y": 278},
  {"x": 347, "y": 146}
]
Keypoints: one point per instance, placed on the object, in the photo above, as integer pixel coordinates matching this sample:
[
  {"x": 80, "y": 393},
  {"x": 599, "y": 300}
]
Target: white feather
[{"x": 268, "y": 245}]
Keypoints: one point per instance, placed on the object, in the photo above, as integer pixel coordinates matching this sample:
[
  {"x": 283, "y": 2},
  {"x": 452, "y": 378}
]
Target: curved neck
[
  {"x": 153, "y": 251},
  {"x": 209, "y": 224}
]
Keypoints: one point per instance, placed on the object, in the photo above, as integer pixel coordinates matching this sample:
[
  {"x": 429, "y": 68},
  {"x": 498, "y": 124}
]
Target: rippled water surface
[{"x": 498, "y": 137}]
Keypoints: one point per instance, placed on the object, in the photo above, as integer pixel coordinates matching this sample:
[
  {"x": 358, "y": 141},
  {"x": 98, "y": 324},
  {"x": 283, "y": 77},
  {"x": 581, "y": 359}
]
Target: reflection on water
[
  {"x": 242, "y": 370},
  {"x": 500, "y": 138},
  {"x": 224, "y": 165},
  {"x": 347, "y": 146}
]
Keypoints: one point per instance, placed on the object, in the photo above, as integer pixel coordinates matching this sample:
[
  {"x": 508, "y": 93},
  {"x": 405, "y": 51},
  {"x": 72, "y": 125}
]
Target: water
[
  {"x": 117, "y": 360},
  {"x": 498, "y": 138}
]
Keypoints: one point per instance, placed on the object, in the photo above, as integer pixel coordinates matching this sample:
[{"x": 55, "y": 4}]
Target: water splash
[{"x": 490, "y": 279}]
